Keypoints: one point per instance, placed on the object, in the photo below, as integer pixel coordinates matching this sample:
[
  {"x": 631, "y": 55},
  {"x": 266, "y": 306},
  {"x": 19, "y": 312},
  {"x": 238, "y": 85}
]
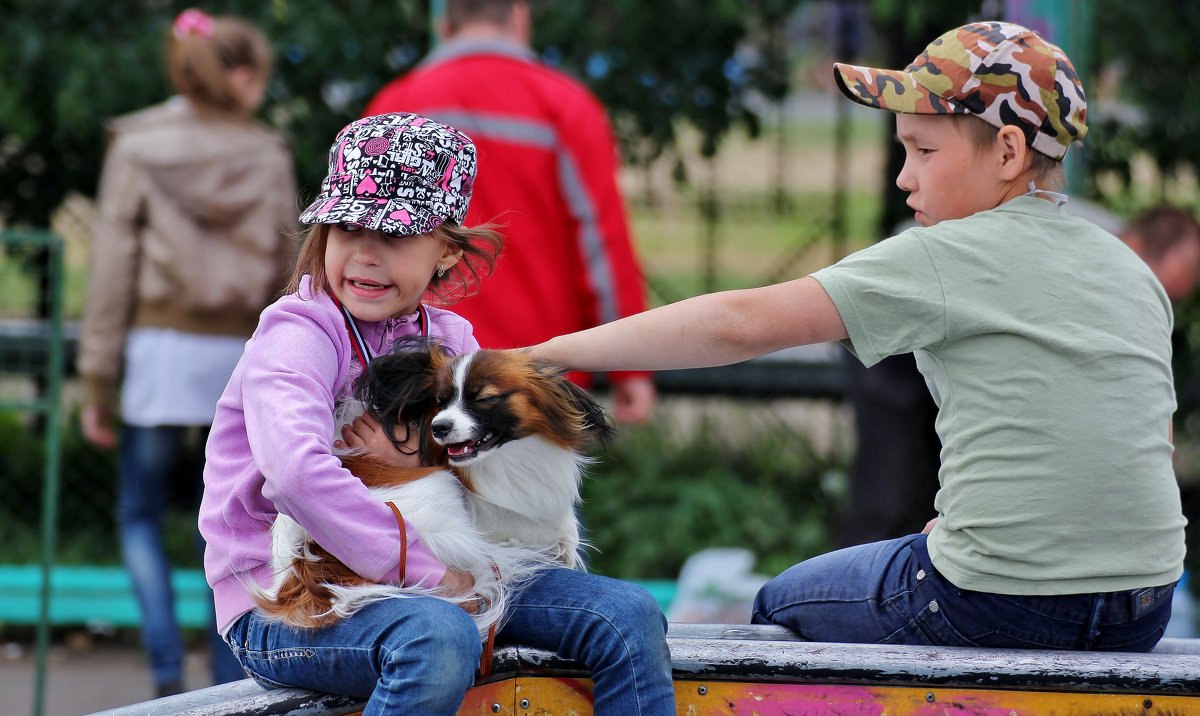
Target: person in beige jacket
[{"x": 197, "y": 207}]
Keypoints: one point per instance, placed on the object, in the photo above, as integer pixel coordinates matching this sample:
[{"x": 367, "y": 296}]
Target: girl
[
  {"x": 386, "y": 231},
  {"x": 196, "y": 207}
]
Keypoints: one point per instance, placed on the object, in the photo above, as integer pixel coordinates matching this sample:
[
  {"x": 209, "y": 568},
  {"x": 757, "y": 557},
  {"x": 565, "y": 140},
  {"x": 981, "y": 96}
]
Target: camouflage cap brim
[{"x": 893, "y": 90}]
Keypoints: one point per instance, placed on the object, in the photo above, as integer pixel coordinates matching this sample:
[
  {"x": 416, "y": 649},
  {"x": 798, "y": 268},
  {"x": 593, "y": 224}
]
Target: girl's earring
[{"x": 441, "y": 271}]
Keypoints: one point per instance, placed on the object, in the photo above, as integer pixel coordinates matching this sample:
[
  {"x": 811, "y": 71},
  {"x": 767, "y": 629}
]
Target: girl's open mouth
[{"x": 366, "y": 289}]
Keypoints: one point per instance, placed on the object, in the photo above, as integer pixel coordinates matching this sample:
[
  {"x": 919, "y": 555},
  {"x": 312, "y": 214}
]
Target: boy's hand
[
  {"x": 367, "y": 436},
  {"x": 929, "y": 526}
]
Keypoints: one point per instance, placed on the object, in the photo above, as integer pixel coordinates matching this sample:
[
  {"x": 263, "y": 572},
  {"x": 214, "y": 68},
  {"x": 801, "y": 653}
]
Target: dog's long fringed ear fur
[
  {"x": 595, "y": 420},
  {"x": 399, "y": 390}
]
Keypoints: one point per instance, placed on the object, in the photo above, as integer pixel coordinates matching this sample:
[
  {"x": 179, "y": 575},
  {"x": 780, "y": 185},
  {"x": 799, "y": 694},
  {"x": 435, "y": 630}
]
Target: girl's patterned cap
[
  {"x": 398, "y": 173},
  {"x": 1001, "y": 72}
]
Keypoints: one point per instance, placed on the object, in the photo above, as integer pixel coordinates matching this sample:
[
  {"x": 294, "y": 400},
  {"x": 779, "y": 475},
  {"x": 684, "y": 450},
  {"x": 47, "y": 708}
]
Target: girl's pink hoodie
[{"x": 269, "y": 451}]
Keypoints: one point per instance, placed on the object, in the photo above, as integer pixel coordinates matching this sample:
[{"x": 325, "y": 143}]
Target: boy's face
[{"x": 945, "y": 174}]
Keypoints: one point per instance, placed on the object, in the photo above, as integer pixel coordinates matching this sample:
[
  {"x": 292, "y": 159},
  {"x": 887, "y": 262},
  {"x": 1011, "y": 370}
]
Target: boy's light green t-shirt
[{"x": 1046, "y": 343}]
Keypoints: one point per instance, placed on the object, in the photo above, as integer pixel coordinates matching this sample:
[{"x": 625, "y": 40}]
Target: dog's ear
[
  {"x": 398, "y": 389},
  {"x": 594, "y": 420}
]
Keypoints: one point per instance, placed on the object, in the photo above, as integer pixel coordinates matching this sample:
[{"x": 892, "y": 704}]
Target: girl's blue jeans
[
  {"x": 146, "y": 463},
  {"x": 419, "y": 655},
  {"x": 889, "y": 593}
]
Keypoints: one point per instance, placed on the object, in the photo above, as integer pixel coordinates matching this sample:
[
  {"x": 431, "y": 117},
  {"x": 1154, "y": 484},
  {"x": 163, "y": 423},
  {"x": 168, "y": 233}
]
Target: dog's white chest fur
[{"x": 526, "y": 494}]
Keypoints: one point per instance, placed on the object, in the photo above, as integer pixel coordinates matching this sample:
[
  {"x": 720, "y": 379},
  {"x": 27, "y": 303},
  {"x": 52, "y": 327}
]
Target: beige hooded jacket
[{"x": 194, "y": 232}]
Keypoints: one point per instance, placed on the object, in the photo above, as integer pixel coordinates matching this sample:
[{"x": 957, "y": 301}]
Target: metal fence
[{"x": 30, "y": 386}]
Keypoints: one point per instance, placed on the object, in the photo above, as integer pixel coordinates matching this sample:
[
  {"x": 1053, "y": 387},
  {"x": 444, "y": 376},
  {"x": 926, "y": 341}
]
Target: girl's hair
[
  {"x": 201, "y": 50},
  {"x": 480, "y": 245},
  {"x": 1047, "y": 171}
]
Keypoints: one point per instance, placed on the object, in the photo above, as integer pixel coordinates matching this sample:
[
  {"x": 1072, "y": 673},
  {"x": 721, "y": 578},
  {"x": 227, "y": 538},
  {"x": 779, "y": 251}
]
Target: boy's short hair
[
  {"x": 461, "y": 12},
  {"x": 1047, "y": 171},
  {"x": 1003, "y": 73}
]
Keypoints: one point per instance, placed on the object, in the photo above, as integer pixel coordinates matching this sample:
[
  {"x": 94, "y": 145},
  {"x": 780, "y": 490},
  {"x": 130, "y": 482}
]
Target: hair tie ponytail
[{"x": 193, "y": 22}]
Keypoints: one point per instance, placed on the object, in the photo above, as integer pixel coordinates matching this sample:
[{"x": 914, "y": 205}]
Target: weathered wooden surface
[{"x": 737, "y": 669}]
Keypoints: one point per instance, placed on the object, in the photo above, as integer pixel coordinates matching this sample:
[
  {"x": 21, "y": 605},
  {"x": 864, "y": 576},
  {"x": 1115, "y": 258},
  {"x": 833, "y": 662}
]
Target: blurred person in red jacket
[{"x": 547, "y": 179}]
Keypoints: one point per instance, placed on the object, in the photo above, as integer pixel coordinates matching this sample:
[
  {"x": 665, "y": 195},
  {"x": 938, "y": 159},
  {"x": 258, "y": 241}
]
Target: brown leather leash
[
  {"x": 489, "y": 645},
  {"x": 403, "y": 538}
]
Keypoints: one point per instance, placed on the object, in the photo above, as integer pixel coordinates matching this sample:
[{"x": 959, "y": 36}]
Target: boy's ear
[{"x": 1012, "y": 152}]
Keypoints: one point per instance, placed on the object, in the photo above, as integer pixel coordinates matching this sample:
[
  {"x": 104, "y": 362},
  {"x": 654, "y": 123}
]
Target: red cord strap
[
  {"x": 485, "y": 659},
  {"x": 489, "y": 645},
  {"x": 403, "y": 539}
]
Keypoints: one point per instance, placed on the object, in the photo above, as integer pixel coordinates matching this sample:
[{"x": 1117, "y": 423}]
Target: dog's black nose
[{"x": 441, "y": 428}]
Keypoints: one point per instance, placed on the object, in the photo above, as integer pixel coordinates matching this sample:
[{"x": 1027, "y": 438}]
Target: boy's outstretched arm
[{"x": 709, "y": 330}]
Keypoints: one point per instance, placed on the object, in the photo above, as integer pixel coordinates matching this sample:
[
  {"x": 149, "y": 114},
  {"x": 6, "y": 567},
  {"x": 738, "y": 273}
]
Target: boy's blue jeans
[
  {"x": 146, "y": 460},
  {"x": 889, "y": 593},
  {"x": 419, "y": 655}
]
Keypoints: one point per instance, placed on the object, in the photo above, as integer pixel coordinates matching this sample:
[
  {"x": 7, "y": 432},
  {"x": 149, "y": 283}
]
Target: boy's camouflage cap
[{"x": 998, "y": 71}]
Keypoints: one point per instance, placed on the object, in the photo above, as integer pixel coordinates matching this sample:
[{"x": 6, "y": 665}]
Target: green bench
[{"x": 102, "y": 595}]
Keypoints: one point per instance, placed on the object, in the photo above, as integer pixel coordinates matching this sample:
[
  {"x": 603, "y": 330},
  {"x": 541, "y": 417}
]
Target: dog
[{"x": 504, "y": 437}]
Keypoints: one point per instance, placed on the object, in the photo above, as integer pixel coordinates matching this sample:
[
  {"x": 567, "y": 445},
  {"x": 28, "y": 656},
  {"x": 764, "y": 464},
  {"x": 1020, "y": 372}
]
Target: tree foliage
[
  {"x": 1153, "y": 46},
  {"x": 67, "y": 66}
]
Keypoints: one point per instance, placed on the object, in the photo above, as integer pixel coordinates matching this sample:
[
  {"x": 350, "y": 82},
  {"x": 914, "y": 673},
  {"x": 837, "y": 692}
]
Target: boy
[{"x": 1045, "y": 343}]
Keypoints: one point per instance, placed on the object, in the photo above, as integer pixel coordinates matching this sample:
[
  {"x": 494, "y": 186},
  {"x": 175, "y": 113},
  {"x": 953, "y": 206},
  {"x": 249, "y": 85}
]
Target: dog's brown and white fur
[{"x": 505, "y": 437}]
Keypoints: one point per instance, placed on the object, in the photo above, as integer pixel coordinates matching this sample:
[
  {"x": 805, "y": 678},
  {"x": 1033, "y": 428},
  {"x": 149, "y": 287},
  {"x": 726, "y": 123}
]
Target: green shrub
[
  {"x": 87, "y": 486},
  {"x": 652, "y": 501}
]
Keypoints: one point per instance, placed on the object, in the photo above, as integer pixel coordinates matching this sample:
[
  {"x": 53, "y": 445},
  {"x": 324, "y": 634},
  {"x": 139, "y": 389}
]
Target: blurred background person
[
  {"x": 547, "y": 178},
  {"x": 1168, "y": 240},
  {"x": 196, "y": 205}
]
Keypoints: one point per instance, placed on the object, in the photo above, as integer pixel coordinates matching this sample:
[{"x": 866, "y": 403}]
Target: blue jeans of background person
[
  {"x": 420, "y": 655},
  {"x": 889, "y": 593},
  {"x": 147, "y": 461}
]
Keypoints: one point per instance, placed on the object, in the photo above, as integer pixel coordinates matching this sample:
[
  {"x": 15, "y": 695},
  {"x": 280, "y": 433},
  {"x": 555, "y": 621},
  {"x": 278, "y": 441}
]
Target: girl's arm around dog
[{"x": 709, "y": 330}]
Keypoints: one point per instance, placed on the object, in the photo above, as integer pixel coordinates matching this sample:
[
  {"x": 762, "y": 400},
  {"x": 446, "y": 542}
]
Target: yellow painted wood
[
  {"x": 740, "y": 698},
  {"x": 557, "y": 696}
]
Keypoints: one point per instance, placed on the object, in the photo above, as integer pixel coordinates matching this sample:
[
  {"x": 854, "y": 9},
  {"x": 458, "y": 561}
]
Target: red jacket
[{"x": 547, "y": 179}]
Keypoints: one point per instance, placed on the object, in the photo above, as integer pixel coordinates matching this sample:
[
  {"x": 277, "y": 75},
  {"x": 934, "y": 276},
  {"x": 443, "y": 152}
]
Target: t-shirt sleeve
[{"x": 889, "y": 296}]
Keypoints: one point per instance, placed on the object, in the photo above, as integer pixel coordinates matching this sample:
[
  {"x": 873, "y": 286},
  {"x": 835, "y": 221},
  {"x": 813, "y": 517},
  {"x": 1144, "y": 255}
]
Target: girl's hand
[
  {"x": 457, "y": 584},
  {"x": 98, "y": 424},
  {"x": 367, "y": 436}
]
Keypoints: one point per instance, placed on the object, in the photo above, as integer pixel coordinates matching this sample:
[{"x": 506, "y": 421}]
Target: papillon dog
[{"x": 505, "y": 440}]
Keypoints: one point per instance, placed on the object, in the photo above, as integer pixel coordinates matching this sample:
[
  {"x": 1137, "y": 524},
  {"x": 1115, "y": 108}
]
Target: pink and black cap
[{"x": 399, "y": 173}]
